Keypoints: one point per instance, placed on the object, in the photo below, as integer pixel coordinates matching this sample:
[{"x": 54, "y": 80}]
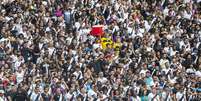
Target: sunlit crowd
[{"x": 149, "y": 50}]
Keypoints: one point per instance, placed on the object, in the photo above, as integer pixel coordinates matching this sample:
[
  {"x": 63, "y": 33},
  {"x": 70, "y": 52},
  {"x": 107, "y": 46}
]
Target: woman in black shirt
[{"x": 45, "y": 95}]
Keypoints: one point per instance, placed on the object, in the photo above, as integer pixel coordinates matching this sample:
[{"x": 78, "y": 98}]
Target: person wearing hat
[
  {"x": 154, "y": 95},
  {"x": 35, "y": 94},
  {"x": 2, "y": 96}
]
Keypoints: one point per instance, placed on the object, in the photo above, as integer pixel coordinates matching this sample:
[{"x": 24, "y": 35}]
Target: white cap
[
  {"x": 44, "y": 3},
  {"x": 2, "y": 91},
  {"x": 190, "y": 70},
  {"x": 198, "y": 73}
]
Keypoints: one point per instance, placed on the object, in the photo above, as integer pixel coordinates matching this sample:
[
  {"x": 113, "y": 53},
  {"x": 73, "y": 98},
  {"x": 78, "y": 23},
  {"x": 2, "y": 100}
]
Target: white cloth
[
  {"x": 68, "y": 96},
  {"x": 19, "y": 76},
  {"x": 190, "y": 70},
  {"x": 136, "y": 99},
  {"x": 91, "y": 93},
  {"x": 179, "y": 96},
  {"x": 198, "y": 73},
  {"x": 143, "y": 72},
  {"x": 165, "y": 11},
  {"x": 3, "y": 98},
  {"x": 147, "y": 25},
  {"x": 34, "y": 96},
  {"x": 77, "y": 25},
  {"x": 102, "y": 80},
  {"x": 187, "y": 15},
  {"x": 51, "y": 50},
  {"x": 153, "y": 97},
  {"x": 96, "y": 45}
]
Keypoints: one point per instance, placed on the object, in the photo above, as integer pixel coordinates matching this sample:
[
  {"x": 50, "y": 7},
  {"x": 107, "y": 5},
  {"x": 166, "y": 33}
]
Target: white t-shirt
[
  {"x": 187, "y": 15},
  {"x": 147, "y": 25},
  {"x": 34, "y": 96},
  {"x": 143, "y": 71},
  {"x": 169, "y": 36},
  {"x": 3, "y": 98},
  {"x": 149, "y": 49},
  {"x": 187, "y": 1},
  {"x": 19, "y": 76},
  {"x": 179, "y": 96},
  {"x": 172, "y": 80},
  {"x": 68, "y": 96},
  {"x": 129, "y": 29},
  {"x": 198, "y": 73},
  {"x": 102, "y": 80},
  {"x": 165, "y": 96},
  {"x": 51, "y": 50},
  {"x": 166, "y": 49},
  {"x": 140, "y": 32},
  {"x": 78, "y": 74},
  {"x": 190, "y": 70},
  {"x": 18, "y": 27},
  {"x": 116, "y": 6},
  {"x": 91, "y": 93},
  {"x": 154, "y": 97},
  {"x": 162, "y": 63},
  {"x": 96, "y": 45},
  {"x": 18, "y": 63},
  {"x": 135, "y": 99},
  {"x": 165, "y": 11},
  {"x": 77, "y": 25}
]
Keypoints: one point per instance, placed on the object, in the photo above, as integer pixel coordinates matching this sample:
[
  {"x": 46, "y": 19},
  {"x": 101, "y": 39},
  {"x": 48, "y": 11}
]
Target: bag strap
[
  {"x": 30, "y": 93},
  {"x": 37, "y": 98},
  {"x": 154, "y": 97},
  {"x": 181, "y": 98},
  {"x": 166, "y": 98}
]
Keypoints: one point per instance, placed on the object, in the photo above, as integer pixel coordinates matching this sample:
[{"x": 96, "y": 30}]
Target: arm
[
  {"x": 41, "y": 98},
  {"x": 65, "y": 85}
]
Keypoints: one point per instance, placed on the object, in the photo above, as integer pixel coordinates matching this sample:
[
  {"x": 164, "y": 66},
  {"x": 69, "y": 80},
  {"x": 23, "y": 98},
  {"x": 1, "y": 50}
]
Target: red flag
[{"x": 97, "y": 30}]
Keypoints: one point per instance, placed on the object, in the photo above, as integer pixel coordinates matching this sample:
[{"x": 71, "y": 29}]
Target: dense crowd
[{"x": 48, "y": 54}]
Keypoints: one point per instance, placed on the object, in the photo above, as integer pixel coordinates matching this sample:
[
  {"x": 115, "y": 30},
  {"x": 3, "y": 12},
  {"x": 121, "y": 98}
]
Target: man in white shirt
[
  {"x": 34, "y": 94},
  {"x": 180, "y": 96},
  {"x": 153, "y": 96},
  {"x": 2, "y": 96},
  {"x": 19, "y": 75},
  {"x": 101, "y": 78}
]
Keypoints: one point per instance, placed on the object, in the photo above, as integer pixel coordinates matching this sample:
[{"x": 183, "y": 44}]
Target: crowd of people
[{"x": 48, "y": 54}]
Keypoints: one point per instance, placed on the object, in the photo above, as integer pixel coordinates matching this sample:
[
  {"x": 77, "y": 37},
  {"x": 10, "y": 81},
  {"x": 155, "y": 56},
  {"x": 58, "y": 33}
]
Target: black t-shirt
[
  {"x": 20, "y": 96},
  {"x": 46, "y": 97},
  {"x": 57, "y": 97},
  {"x": 106, "y": 13},
  {"x": 25, "y": 53},
  {"x": 199, "y": 50},
  {"x": 1, "y": 25}
]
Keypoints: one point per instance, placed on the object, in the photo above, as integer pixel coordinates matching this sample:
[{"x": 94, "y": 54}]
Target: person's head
[
  {"x": 155, "y": 78},
  {"x": 20, "y": 89},
  {"x": 58, "y": 91},
  {"x": 154, "y": 90},
  {"x": 108, "y": 45},
  {"x": 46, "y": 89},
  {"x": 148, "y": 74},
  {"x": 144, "y": 66},
  {"x": 37, "y": 89},
  {"x": 2, "y": 93},
  {"x": 164, "y": 56},
  {"x": 73, "y": 78},
  {"x": 100, "y": 74}
]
